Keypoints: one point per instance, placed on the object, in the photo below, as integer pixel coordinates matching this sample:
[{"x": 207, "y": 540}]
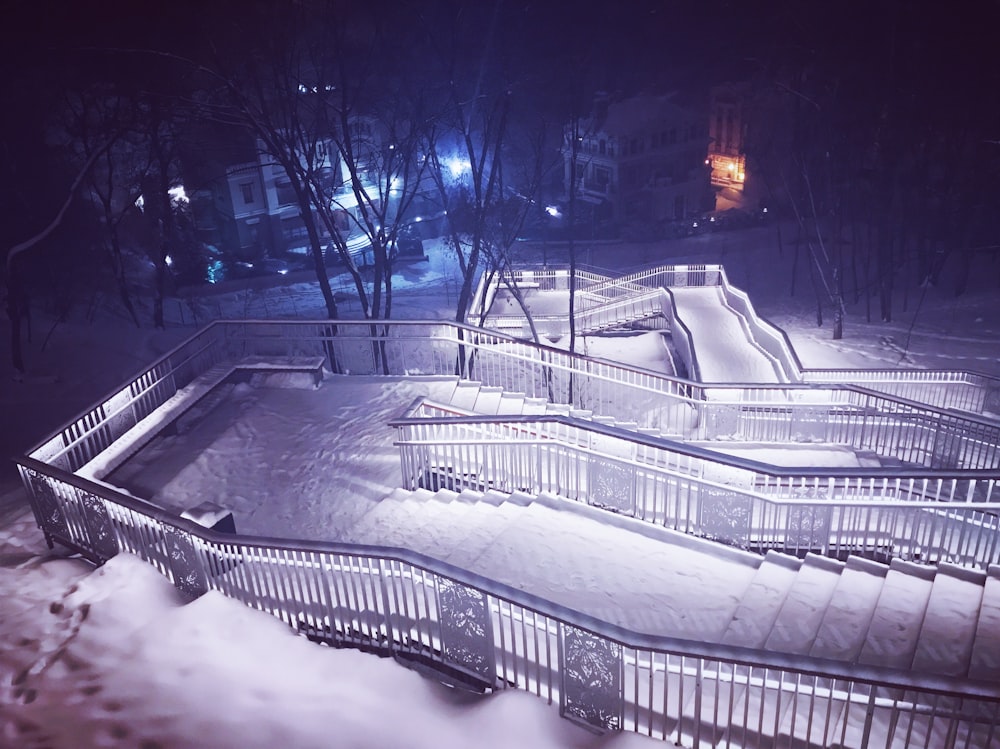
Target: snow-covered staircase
[
  {"x": 472, "y": 397},
  {"x": 943, "y": 620},
  {"x": 900, "y": 617},
  {"x": 514, "y": 538}
]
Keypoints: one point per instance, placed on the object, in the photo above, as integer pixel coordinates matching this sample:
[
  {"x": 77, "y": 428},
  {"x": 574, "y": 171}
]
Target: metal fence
[
  {"x": 966, "y": 391},
  {"x": 918, "y": 515},
  {"x": 592, "y": 318},
  {"x": 949, "y": 389},
  {"x": 480, "y": 633},
  {"x": 477, "y": 631},
  {"x": 839, "y": 414}
]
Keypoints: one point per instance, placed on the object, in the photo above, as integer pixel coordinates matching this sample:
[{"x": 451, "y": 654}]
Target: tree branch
[{"x": 32, "y": 241}]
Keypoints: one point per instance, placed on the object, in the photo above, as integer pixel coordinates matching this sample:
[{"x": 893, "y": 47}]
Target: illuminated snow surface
[
  {"x": 719, "y": 341},
  {"x": 111, "y": 657}
]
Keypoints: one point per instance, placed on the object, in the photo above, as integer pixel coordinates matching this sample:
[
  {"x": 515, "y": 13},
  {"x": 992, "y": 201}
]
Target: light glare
[{"x": 458, "y": 166}]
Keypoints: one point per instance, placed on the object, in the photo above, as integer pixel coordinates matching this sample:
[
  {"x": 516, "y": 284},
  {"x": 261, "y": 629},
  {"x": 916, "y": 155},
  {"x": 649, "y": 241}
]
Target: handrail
[
  {"x": 747, "y": 412},
  {"x": 770, "y": 337},
  {"x": 681, "y": 335},
  {"x": 806, "y": 665},
  {"x": 100, "y": 522},
  {"x": 562, "y": 455},
  {"x": 982, "y": 391},
  {"x": 455, "y": 416},
  {"x": 592, "y": 318}
]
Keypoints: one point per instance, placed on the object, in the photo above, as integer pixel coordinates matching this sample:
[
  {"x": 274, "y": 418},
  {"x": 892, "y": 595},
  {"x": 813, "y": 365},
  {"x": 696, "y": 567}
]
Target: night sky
[{"x": 935, "y": 68}]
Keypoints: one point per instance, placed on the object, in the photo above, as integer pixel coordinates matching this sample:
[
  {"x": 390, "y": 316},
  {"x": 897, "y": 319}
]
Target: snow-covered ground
[
  {"x": 720, "y": 342},
  {"x": 111, "y": 657}
]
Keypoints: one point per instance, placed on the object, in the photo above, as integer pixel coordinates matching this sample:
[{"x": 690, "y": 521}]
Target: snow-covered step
[
  {"x": 427, "y": 526},
  {"x": 949, "y": 628},
  {"x": 557, "y": 409},
  {"x": 443, "y": 389},
  {"x": 892, "y": 637},
  {"x": 752, "y": 622},
  {"x": 848, "y": 616},
  {"x": 723, "y": 693},
  {"x": 478, "y": 530},
  {"x": 520, "y": 498},
  {"x": 497, "y": 498},
  {"x": 511, "y": 403},
  {"x": 985, "y": 661},
  {"x": 852, "y": 727},
  {"x": 405, "y": 519},
  {"x": 465, "y": 394},
  {"x": 375, "y": 524},
  {"x": 906, "y": 730},
  {"x": 488, "y": 400},
  {"x": 801, "y": 614},
  {"x": 684, "y": 589},
  {"x": 534, "y": 406},
  {"x": 433, "y": 527}
]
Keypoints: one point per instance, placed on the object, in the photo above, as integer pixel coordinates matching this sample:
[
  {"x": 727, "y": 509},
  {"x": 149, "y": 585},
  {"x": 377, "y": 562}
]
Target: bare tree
[
  {"x": 116, "y": 180},
  {"x": 16, "y": 297}
]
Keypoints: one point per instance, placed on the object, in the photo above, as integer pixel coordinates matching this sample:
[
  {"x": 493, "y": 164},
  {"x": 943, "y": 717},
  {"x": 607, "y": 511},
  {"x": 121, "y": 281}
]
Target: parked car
[{"x": 407, "y": 243}]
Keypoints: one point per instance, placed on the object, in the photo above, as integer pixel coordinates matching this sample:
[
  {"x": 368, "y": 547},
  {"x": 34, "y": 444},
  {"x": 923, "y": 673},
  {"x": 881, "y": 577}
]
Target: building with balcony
[
  {"x": 244, "y": 204},
  {"x": 642, "y": 158}
]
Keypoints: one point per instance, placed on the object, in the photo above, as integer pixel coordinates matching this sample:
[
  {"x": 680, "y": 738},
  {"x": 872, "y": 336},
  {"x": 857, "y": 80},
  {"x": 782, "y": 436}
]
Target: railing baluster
[{"x": 946, "y": 513}]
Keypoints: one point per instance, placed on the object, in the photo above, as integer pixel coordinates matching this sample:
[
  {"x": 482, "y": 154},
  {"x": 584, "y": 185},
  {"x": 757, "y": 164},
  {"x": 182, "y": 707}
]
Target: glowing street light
[{"x": 458, "y": 166}]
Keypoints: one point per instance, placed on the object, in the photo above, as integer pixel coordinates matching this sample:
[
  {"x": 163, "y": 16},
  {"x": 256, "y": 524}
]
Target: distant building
[
  {"x": 726, "y": 132},
  {"x": 642, "y": 158},
  {"x": 243, "y": 202},
  {"x": 750, "y": 129}
]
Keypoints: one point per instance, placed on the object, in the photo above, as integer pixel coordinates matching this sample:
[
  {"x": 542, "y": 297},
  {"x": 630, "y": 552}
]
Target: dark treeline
[{"x": 875, "y": 126}]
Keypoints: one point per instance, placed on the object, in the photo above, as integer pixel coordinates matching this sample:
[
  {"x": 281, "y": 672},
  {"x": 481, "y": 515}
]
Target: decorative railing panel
[
  {"x": 391, "y": 601},
  {"x": 919, "y": 515},
  {"x": 401, "y": 603}
]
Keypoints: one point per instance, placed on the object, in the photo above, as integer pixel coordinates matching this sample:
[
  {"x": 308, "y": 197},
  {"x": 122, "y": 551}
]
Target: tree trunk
[
  {"x": 838, "y": 306},
  {"x": 17, "y": 300},
  {"x": 884, "y": 271},
  {"x": 795, "y": 261}
]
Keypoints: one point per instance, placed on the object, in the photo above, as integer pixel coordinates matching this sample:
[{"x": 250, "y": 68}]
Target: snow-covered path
[
  {"x": 620, "y": 570},
  {"x": 288, "y": 462},
  {"x": 722, "y": 348},
  {"x": 320, "y": 464}
]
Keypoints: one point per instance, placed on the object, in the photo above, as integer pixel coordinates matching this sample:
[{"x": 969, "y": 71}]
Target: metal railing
[
  {"x": 608, "y": 314},
  {"x": 838, "y": 414},
  {"x": 772, "y": 339},
  {"x": 949, "y": 389},
  {"x": 402, "y": 603},
  {"x": 964, "y": 391},
  {"x": 917, "y": 515},
  {"x": 478, "y": 632}
]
